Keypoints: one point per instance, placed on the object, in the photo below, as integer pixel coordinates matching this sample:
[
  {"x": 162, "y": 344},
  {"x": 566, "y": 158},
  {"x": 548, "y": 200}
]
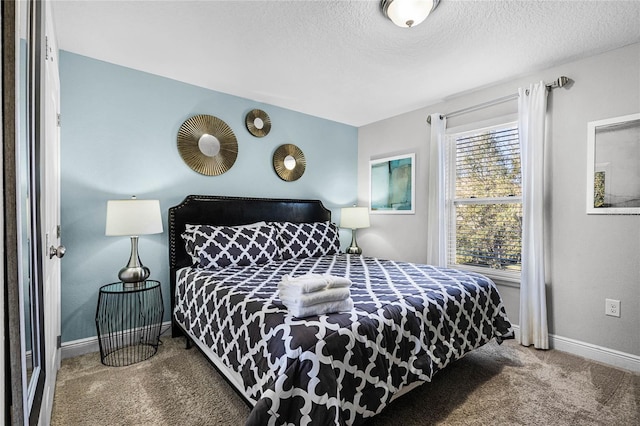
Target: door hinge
[
  {"x": 58, "y": 120},
  {"x": 48, "y": 51},
  {"x": 58, "y": 342}
]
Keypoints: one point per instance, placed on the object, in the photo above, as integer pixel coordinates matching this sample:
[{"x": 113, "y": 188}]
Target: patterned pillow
[
  {"x": 189, "y": 238},
  {"x": 300, "y": 240},
  {"x": 221, "y": 246}
]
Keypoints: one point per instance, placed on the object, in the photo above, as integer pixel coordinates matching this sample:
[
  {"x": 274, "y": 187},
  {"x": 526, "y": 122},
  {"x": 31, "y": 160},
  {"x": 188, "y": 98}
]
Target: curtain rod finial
[{"x": 561, "y": 81}]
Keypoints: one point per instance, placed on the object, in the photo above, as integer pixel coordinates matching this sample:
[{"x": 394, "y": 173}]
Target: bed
[{"x": 409, "y": 321}]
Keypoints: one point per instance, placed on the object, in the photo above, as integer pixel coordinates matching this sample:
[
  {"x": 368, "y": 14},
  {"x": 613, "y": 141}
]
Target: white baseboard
[
  {"x": 586, "y": 350},
  {"x": 90, "y": 344},
  {"x": 597, "y": 353},
  {"x": 593, "y": 352}
]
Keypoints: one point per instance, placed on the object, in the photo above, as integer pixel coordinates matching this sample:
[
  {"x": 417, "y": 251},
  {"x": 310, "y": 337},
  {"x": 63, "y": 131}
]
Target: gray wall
[{"x": 591, "y": 257}]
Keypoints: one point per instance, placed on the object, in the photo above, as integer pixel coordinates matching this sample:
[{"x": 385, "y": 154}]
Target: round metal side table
[{"x": 128, "y": 320}]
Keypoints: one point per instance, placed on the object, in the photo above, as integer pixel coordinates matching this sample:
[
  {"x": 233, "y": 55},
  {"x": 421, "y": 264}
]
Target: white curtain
[
  {"x": 532, "y": 109},
  {"x": 436, "y": 220}
]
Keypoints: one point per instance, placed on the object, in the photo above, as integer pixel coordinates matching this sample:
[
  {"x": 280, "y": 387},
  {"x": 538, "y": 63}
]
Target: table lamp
[
  {"x": 133, "y": 218},
  {"x": 354, "y": 218}
]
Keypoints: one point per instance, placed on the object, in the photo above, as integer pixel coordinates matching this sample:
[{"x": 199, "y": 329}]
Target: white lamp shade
[
  {"x": 354, "y": 217},
  {"x": 133, "y": 217},
  {"x": 409, "y": 13}
]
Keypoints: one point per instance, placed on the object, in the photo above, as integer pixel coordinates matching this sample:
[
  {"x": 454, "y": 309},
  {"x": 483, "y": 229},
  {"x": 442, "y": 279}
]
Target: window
[{"x": 484, "y": 201}]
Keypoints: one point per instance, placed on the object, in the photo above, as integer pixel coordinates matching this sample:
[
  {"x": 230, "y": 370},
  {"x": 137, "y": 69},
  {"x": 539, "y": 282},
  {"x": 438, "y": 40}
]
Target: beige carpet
[{"x": 494, "y": 385}]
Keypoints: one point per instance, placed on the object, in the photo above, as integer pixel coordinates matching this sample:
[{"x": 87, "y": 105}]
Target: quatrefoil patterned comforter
[{"x": 409, "y": 322}]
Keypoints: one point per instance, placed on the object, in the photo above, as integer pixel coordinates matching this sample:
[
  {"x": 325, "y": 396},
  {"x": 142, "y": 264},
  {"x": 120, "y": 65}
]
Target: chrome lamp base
[
  {"x": 134, "y": 273},
  {"x": 353, "y": 248}
]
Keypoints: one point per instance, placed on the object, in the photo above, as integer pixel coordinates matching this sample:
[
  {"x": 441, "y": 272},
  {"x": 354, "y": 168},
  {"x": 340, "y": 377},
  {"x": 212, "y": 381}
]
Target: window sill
[
  {"x": 506, "y": 282},
  {"x": 504, "y": 278}
]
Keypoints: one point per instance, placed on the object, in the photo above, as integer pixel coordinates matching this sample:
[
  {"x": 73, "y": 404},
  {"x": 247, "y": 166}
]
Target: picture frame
[
  {"x": 613, "y": 156},
  {"x": 392, "y": 183}
]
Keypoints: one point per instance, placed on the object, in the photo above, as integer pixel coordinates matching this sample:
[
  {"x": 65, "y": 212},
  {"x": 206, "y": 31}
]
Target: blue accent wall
[{"x": 118, "y": 138}]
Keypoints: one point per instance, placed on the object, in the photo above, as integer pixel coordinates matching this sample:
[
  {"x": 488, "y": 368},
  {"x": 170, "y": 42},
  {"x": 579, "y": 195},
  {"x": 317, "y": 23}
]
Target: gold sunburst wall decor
[
  {"x": 258, "y": 123},
  {"x": 207, "y": 144},
  {"x": 289, "y": 162}
]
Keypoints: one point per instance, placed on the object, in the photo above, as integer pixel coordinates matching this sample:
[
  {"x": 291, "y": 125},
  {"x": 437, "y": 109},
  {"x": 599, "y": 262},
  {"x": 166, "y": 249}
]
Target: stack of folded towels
[{"x": 315, "y": 294}]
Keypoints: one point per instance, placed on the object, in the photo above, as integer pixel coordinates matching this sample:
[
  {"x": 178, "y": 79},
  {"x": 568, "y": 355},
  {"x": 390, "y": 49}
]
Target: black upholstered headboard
[{"x": 220, "y": 210}]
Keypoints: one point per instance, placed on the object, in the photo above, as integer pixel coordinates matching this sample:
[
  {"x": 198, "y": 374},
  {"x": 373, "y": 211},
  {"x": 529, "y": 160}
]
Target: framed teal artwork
[{"x": 392, "y": 185}]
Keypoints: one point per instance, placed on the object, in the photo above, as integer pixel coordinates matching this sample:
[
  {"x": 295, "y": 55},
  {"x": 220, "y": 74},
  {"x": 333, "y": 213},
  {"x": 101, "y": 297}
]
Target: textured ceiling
[{"x": 342, "y": 60}]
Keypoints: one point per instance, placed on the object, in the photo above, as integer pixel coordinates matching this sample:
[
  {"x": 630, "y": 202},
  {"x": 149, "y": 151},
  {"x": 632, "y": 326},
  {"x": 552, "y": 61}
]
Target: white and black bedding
[{"x": 409, "y": 321}]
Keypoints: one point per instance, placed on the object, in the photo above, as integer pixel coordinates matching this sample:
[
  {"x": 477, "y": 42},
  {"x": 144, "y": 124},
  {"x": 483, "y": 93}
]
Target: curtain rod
[{"x": 559, "y": 82}]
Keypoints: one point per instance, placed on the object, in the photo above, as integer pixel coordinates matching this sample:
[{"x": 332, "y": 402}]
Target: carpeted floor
[{"x": 494, "y": 385}]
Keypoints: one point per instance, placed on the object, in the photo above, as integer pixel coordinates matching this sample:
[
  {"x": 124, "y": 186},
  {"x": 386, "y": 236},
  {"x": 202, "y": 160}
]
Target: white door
[{"x": 50, "y": 210}]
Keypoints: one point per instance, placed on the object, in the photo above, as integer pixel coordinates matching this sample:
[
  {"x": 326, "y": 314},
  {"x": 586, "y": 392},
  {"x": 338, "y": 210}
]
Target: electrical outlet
[{"x": 612, "y": 307}]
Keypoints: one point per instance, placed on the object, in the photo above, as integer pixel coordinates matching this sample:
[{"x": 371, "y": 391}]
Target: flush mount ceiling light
[{"x": 408, "y": 13}]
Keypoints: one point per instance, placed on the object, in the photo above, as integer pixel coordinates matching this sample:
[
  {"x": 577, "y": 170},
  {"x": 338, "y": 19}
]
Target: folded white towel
[
  {"x": 302, "y": 284},
  {"x": 291, "y": 299},
  {"x": 322, "y": 308},
  {"x": 303, "y": 277},
  {"x": 309, "y": 283},
  {"x": 334, "y": 281}
]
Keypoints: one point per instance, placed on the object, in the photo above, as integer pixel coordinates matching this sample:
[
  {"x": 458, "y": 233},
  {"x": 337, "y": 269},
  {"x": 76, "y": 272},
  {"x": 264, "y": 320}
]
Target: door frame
[
  {"x": 7, "y": 79},
  {"x": 25, "y": 401}
]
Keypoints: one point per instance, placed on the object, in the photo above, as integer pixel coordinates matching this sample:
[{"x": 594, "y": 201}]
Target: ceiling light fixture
[{"x": 408, "y": 13}]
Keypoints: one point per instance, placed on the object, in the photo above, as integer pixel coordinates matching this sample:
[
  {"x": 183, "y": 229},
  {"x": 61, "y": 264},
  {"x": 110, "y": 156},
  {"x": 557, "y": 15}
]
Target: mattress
[{"x": 409, "y": 321}]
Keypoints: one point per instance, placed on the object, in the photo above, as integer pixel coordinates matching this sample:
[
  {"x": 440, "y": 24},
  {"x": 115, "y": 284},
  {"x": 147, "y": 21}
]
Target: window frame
[{"x": 504, "y": 277}]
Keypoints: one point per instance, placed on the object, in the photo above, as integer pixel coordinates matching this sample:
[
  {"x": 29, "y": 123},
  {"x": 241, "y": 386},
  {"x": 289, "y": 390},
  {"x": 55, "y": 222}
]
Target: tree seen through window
[{"x": 487, "y": 199}]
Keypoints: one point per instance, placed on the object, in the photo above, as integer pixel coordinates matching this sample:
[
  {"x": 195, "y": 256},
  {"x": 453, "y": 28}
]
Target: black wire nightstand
[{"x": 128, "y": 319}]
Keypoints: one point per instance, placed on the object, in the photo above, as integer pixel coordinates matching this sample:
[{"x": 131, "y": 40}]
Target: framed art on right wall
[
  {"x": 613, "y": 165},
  {"x": 392, "y": 183}
]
